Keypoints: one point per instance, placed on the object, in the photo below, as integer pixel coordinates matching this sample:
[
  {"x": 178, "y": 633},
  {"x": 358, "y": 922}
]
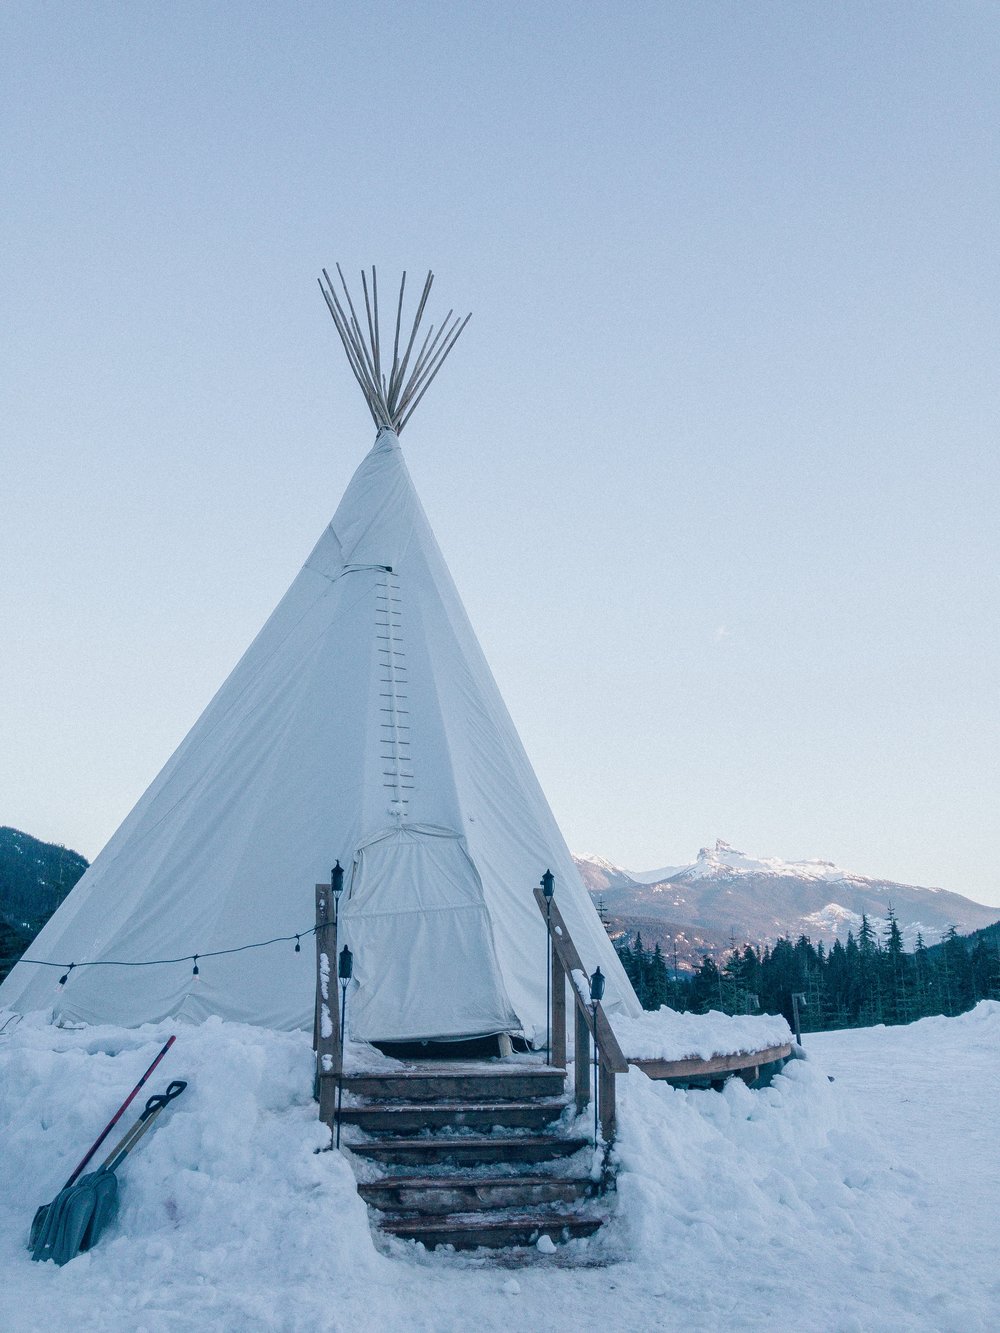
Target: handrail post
[
  {"x": 327, "y": 1018},
  {"x": 567, "y": 967},
  {"x": 581, "y": 1058},
  {"x": 606, "y": 1079},
  {"x": 558, "y": 1010}
]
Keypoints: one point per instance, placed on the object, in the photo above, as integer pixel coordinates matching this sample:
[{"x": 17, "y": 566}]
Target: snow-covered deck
[
  {"x": 663, "y": 1043},
  {"x": 666, "y": 1044}
]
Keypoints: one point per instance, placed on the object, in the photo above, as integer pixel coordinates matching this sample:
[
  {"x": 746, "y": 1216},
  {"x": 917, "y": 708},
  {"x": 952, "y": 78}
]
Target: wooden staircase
[{"x": 470, "y": 1154}]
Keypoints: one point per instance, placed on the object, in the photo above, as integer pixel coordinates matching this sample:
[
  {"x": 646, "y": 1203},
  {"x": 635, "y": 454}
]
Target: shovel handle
[
  {"x": 120, "y": 1112},
  {"x": 153, "y": 1108},
  {"x": 159, "y": 1099}
]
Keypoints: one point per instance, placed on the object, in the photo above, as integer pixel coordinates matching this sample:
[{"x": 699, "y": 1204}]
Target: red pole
[{"x": 120, "y": 1112}]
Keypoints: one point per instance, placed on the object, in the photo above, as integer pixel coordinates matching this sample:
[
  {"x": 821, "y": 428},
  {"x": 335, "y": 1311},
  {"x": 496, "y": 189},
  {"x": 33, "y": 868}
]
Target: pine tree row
[{"x": 864, "y": 981}]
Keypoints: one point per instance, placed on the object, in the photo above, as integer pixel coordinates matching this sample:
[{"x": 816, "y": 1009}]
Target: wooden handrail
[
  {"x": 568, "y": 966},
  {"x": 326, "y": 1022}
]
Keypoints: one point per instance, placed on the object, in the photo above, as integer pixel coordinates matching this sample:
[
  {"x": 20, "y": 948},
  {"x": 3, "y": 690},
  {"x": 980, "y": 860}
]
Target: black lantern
[
  {"x": 596, "y": 996},
  {"x": 337, "y": 885},
  {"x": 345, "y": 965},
  {"x": 548, "y": 889}
]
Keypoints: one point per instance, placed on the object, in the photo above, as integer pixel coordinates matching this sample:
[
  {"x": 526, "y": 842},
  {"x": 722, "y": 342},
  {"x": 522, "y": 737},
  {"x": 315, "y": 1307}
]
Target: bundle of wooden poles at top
[
  {"x": 393, "y": 396},
  {"x": 564, "y": 965}
]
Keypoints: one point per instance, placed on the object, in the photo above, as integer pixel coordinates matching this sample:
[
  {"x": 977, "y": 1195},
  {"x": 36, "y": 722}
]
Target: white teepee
[{"x": 362, "y": 724}]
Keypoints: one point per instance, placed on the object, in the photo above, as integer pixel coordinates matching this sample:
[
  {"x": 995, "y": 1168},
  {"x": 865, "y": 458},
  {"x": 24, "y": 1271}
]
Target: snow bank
[
  {"x": 228, "y": 1184},
  {"x": 816, "y": 1204},
  {"x": 664, "y": 1034},
  {"x": 808, "y": 1204}
]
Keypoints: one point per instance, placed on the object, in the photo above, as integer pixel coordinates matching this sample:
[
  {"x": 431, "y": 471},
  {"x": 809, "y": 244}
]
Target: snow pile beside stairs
[
  {"x": 228, "y": 1186},
  {"x": 665, "y": 1034}
]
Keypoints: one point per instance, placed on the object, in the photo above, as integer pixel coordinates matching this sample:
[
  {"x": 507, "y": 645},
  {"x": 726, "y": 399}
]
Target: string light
[{"x": 67, "y": 968}]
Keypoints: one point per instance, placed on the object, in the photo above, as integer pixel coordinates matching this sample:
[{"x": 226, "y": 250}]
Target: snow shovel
[
  {"x": 75, "y": 1218},
  {"x": 40, "y": 1212}
]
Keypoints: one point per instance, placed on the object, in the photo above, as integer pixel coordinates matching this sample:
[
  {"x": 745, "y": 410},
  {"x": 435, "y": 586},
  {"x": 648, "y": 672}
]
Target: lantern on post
[
  {"x": 345, "y": 970},
  {"x": 597, "y": 982},
  {"x": 548, "y": 889},
  {"x": 798, "y": 998},
  {"x": 337, "y": 885}
]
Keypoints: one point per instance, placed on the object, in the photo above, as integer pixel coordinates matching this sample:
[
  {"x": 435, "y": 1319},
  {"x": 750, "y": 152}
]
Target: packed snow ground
[{"x": 866, "y": 1203}]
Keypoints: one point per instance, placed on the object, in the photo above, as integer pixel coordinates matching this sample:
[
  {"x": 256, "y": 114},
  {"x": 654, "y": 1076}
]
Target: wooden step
[
  {"x": 468, "y": 1083},
  {"x": 462, "y": 1194},
  {"x": 470, "y": 1149},
  {"x": 468, "y": 1231},
  {"x": 410, "y": 1117}
]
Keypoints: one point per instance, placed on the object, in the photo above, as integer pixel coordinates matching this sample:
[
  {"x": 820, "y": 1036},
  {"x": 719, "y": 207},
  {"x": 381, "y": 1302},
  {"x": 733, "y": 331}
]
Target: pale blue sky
[{"x": 714, "y": 464}]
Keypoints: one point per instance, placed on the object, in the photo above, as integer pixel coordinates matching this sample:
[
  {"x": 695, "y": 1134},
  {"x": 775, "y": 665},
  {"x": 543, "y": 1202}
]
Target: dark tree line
[
  {"x": 35, "y": 877},
  {"x": 866, "y": 980}
]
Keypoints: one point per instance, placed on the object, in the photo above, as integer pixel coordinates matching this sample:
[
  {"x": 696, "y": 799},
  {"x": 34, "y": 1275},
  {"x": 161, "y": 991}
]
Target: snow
[
  {"x": 833, "y": 919},
  {"x": 868, "y": 1203},
  {"x": 726, "y": 860},
  {"x": 602, "y": 863},
  {"x": 664, "y": 1034},
  {"x": 723, "y": 860}
]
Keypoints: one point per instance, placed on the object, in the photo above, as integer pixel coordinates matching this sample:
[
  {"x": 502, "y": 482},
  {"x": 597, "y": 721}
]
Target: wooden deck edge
[{"x": 718, "y": 1064}]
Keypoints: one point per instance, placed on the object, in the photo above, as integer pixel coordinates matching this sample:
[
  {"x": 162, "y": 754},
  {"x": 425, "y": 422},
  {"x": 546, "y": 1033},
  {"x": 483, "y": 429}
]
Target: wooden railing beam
[
  {"x": 590, "y": 1021},
  {"x": 581, "y": 1060},
  {"x": 606, "y": 1100},
  {"x": 558, "y": 1056},
  {"x": 563, "y": 945},
  {"x": 326, "y": 1025}
]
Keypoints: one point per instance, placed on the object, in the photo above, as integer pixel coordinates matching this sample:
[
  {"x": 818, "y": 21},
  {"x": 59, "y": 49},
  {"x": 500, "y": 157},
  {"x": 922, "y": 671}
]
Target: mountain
[
  {"x": 599, "y": 874},
  {"x": 35, "y": 877},
  {"x": 727, "y": 896}
]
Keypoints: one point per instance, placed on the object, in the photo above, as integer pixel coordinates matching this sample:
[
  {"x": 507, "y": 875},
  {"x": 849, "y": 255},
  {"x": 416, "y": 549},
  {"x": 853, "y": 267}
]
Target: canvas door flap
[
  {"x": 425, "y": 963},
  {"x": 409, "y": 870}
]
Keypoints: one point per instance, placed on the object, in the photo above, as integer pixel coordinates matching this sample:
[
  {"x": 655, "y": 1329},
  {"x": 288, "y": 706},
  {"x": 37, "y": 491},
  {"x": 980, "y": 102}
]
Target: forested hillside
[
  {"x": 866, "y": 980},
  {"x": 35, "y": 877}
]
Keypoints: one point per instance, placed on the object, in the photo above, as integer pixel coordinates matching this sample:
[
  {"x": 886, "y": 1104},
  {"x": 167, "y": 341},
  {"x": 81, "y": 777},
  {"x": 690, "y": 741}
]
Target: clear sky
[{"x": 714, "y": 464}]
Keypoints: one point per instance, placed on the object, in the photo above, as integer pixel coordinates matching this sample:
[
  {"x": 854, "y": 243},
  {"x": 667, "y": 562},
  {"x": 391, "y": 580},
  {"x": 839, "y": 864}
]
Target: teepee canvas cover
[{"x": 362, "y": 724}]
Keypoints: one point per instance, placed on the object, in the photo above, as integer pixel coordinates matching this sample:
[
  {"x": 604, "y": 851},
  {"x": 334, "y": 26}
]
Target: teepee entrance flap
[{"x": 424, "y": 958}]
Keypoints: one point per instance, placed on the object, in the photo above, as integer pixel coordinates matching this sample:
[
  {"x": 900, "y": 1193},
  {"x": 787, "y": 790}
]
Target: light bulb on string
[
  {"x": 194, "y": 970},
  {"x": 65, "y": 976},
  {"x": 298, "y": 946}
]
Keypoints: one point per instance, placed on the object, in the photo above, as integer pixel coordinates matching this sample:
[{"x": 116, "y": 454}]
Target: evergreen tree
[
  {"x": 894, "y": 987},
  {"x": 924, "y": 988},
  {"x": 705, "y": 988},
  {"x": 658, "y": 980},
  {"x": 870, "y": 1010}
]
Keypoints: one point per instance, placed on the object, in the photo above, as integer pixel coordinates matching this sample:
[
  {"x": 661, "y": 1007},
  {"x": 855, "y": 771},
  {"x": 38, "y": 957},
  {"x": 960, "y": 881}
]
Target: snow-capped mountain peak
[
  {"x": 728, "y": 894},
  {"x": 725, "y": 860}
]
